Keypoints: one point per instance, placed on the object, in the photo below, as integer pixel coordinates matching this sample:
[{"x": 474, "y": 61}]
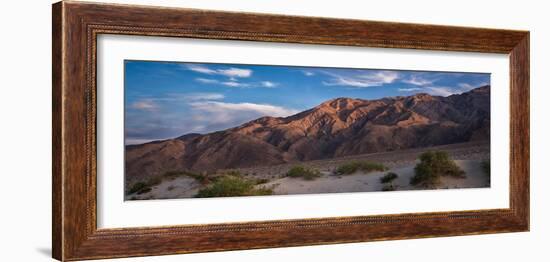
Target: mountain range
[{"x": 335, "y": 128}]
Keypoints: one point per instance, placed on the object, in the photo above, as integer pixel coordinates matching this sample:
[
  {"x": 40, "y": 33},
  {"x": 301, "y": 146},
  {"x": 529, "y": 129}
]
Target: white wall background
[{"x": 25, "y": 146}]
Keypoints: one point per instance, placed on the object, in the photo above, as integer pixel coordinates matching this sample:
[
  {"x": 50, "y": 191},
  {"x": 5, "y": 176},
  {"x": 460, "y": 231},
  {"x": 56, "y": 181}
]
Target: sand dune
[{"x": 360, "y": 182}]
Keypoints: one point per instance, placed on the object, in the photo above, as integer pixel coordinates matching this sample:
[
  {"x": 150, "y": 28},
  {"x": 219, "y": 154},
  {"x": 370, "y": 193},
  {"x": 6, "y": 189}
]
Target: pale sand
[
  {"x": 360, "y": 182},
  {"x": 180, "y": 187},
  {"x": 467, "y": 155},
  {"x": 186, "y": 187}
]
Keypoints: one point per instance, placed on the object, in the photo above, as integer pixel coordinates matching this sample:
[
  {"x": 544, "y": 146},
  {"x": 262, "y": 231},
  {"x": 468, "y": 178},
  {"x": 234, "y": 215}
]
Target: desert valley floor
[{"x": 468, "y": 156}]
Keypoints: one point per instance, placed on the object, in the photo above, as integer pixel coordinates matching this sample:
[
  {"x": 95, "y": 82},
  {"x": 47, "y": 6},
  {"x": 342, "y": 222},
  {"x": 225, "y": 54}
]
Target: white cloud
[
  {"x": 409, "y": 89},
  {"x": 230, "y": 72},
  {"x": 465, "y": 86},
  {"x": 441, "y": 91},
  {"x": 235, "y": 72},
  {"x": 261, "y": 109},
  {"x": 152, "y": 102},
  {"x": 225, "y": 83},
  {"x": 207, "y": 80},
  {"x": 201, "y": 69},
  {"x": 385, "y": 77},
  {"x": 145, "y": 105},
  {"x": 468, "y": 87},
  {"x": 234, "y": 84},
  {"x": 362, "y": 79},
  {"x": 308, "y": 73},
  {"x": 214, "y": 115},
  {"x": 203, "y": 96},
  {"x": 418, "y": 81},
  {"x": 269, "y": 84},
  {"x": 424, "y": 85}
]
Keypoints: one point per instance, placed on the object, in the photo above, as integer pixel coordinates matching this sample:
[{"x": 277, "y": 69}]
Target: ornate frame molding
[{"x": 76, "y": 26}]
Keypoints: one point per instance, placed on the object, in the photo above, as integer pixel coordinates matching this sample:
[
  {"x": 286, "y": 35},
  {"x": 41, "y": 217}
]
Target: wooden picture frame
[{"x": 76, "y": 26}]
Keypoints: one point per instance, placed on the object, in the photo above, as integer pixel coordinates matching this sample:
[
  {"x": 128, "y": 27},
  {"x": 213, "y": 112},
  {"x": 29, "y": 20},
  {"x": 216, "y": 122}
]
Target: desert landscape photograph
[{"x": 202, "y": 130}]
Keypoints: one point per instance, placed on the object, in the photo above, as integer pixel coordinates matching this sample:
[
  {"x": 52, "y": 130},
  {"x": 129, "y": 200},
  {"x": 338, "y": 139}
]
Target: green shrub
[
  {"x": 354, "y": 166},
  {"x": 303, "y": 172},
  {"x": 388, "y": 178},
  {"x": 137, "y": 187},
  {"x": 433, "y": 165},
  {"x": 233, "y": 173},
  {"x": 261, "y": 181},
  {"x": 228, "y": 186},
  {"x": 144, "y": 187}
]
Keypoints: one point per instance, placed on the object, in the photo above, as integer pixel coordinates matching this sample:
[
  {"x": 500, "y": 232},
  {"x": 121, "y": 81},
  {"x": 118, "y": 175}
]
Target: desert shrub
[
  {"x": 388, "y": 178},
  {"x": 354, "y": 166},
  {"x": 228, "y": 186},
  {"x": 303, "y": 172},
  {"x": 433, "y": 165},
  {"x": 261, "y": 181},
  {"x": 144, "y": 190},
  {"x": 144, "y": 187},
  {"x": 137, "y": 187},
  {"x": 425, "y": 176},
  {"x": 233, "y": 173},
  {"x": 388, "y": 188}
]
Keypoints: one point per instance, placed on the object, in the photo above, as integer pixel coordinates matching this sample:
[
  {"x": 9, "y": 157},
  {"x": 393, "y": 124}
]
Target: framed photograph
[{"x": 182, "y": 130}]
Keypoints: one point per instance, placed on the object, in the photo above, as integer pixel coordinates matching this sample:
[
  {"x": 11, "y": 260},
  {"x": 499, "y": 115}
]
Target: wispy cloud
[
  {"x": 154, "y": 104},
  {"x": 361, "y": 79},
  {"x": 231, "y": 72},
  {"x": 235, "y": 83},
  {"x": 230, "y": 83},
  {"x": 441, "y": 90},
  {"x": 144, "y": 105},
  {"x": 409, "y": 89},
  {"x": 202, "y": 96},
  {"x": 261, "y": 109},
  {"x": 418, "y": 81},
  {"x": 235, "y": 72},
  {"x": 206, "y": 80},
  {"x": 468, "y": 87},
  {"x": 216, "y": 115},
  {"x": 201, "y": 69},
  {"x": 308, "y": 73},
  {"x": 269, "y": 84},
  {"x": 447, "y": 91}
]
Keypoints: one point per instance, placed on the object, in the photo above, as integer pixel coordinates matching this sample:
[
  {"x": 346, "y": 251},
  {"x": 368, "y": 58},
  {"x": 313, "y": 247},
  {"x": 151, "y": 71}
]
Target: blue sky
[{"x": 169, "y": 99}]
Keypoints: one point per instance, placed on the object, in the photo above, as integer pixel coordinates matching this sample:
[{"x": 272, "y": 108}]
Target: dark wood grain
[
  {"x": 57, "y": 196},
  {"x": 519, "y": 129},
  {"x": 75, "y": 29}
]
